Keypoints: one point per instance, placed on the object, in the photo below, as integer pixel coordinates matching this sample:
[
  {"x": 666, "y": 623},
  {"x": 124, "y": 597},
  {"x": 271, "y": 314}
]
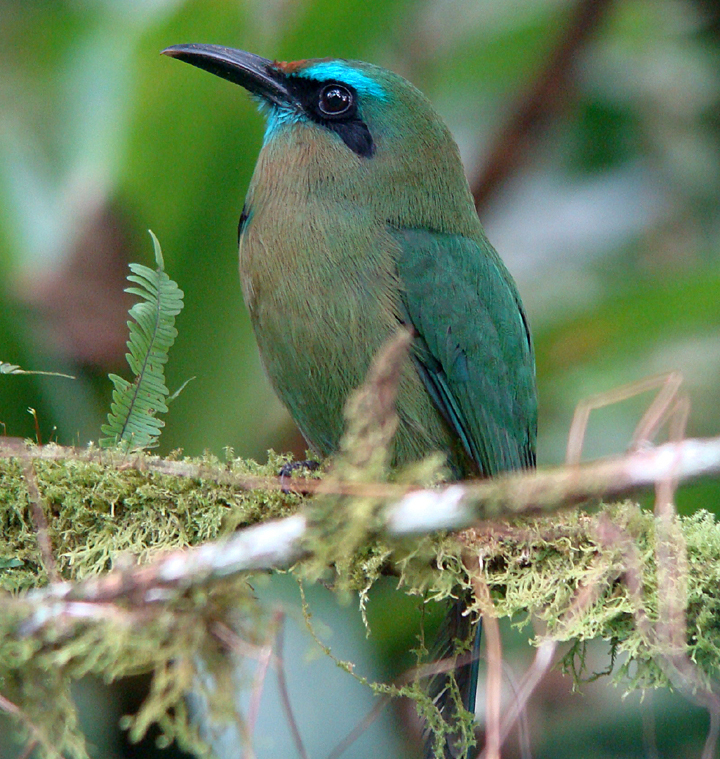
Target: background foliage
[{"x": 610, "y": 224}]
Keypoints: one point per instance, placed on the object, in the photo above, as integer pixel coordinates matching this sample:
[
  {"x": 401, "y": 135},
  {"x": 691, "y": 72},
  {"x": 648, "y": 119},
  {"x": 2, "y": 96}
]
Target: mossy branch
[
  {"x": 127, "y": 620},
  {"x": 152, "y": 560}
]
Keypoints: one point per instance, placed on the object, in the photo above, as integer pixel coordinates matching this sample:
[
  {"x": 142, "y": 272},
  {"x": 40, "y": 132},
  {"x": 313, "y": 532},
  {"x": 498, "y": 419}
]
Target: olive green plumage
[
  {"x": 359, "y": 218},
  {"x": 340, "y": 248}
]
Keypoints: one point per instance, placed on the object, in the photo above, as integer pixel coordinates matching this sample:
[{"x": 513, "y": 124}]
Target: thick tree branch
[
  {"x": 459, "y": 506},
  {"x": 280, "y": 543},
  {"x": 160, "y": 614}
]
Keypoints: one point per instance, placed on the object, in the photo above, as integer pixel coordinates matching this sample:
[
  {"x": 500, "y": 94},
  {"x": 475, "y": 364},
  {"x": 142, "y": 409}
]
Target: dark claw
[{"x": 287, "y": 470}]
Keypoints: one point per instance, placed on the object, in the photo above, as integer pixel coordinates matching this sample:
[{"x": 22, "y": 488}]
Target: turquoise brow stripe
[{"x": 347, "y": 74}]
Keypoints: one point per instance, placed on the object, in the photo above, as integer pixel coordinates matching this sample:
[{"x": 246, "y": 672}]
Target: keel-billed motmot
[{"x": 358, "y": 219}]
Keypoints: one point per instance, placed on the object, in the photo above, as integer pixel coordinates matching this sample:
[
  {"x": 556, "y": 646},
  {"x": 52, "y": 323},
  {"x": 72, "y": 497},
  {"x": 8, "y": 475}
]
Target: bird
[{"x": 358, "y": 220}]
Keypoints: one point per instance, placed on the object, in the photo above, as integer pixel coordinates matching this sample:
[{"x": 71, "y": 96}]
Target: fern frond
[{"x": 132, "y": 421}]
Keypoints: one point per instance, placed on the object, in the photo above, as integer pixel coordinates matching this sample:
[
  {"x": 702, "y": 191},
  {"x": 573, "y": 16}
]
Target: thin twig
[
  {"x": 712, "y": 737},
  {"x": 541, "y": 663},
  {"x": 667, "y": 385},
  {"x": 585, "y": 596},
  {"x": 233, "y": 641},
  {"x": 31, "y": 746},
  {"x": 360, "y": 728},
  {"x": 284, "y": 693},
  {"x": 493, "y": 645},
  {"x": 266, "y": 655},
  {"x": 523, "y": 728},
  {"x": 649, "y": 730},
  {"x": 493, "y": 648},
  {"x": 7, "y": 706},
  {"x": 41, "y": 524},
  {"x": 536, "y": 671},
  {"x": 10, "y": 708},
  {"x": 669, "y": 633},
  {"x": 672, "y": 569}
]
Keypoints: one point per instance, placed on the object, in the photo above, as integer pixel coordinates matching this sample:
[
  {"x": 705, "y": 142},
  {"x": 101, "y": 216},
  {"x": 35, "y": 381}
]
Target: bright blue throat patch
[{"x": 276, "y": 116}]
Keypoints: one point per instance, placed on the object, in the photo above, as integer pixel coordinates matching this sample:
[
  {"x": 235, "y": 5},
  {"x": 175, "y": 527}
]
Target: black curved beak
[{"x": 256, "y": 74}]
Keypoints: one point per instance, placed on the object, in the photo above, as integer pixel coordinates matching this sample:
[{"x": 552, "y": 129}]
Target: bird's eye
[{"x": 335, "y": 100}]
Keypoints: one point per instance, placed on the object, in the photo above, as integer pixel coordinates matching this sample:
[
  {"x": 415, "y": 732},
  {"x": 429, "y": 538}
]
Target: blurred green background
[{"x": 609, "y": 220}]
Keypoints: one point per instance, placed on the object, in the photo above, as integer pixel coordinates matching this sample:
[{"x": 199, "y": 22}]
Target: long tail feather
[{"x": 453, "y": 692}]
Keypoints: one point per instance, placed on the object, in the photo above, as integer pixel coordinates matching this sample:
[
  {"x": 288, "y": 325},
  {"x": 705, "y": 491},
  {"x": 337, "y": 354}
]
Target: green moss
[
  {"x": 572, "y": 573},
  {"x": 572, "y": 570},
  {"x": 100, "y": 510},
  {"x": 104, "y": 515}
]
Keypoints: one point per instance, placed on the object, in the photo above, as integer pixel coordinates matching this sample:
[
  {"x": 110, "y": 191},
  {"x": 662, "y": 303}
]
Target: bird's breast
[
  {"x": 321, "y": 288},
  {"x": 319, "y": 272}
]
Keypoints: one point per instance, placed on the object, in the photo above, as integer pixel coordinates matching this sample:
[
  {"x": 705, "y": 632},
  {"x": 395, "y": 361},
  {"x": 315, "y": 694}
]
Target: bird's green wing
[{"x": 472, "y": 345}]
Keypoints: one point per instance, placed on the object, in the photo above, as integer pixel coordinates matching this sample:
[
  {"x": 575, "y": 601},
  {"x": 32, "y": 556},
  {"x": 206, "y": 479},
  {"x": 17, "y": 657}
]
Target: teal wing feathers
[
  {"x": 473, "y": 351},
  {"x": 472, "y": 346}
]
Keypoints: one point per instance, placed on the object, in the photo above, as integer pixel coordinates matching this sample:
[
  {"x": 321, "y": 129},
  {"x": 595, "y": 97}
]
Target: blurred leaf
[{"x": 14, "y": 369}]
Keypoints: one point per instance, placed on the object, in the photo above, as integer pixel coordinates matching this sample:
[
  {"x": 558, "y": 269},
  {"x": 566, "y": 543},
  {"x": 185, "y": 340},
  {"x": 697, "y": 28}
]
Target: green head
[{"x": 358, "y": 131}]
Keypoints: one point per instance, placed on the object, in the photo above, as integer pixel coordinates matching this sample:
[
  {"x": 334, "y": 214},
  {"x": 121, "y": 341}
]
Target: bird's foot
[{"x": 287, "y": 470}]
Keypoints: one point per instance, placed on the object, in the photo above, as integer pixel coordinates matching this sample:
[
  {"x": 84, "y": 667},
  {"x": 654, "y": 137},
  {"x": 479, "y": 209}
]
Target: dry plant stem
[
  {"x": 712, "y": 738},
  {"x": 523, "y": 727},
  {"x": 284, "y": 694},
  {"x": 31, "y": 746},
  {"x": 649, "y": 727},
  {"x": 266, "y": 655},
  {"x": 546, "y": 96},
  {"x": 679, "y": 669},
  {"x": 10, "y": 708},
  {"x": 493, "y": 647},
  {"x": 672, "y": 569},
  {"x": 678, "y": 418},
  {"x": 441, "y": 666},
  {"x": 33, "y": 413},
  {"x": 663, "y": 406},
  {"x": 361, "y": 727},
  {"x": 669, "y": 385},
  {"x": 233, "y": 641},
  {"x": 541, "y": 663},
  {"x": 246, "y": 737},
  {"x": 241, "y": 647},
  {"x": 41, "y": 525},
  {"x": 584, "y": 598},
  {"x": 611, "y": 536},
  {"x": 670, "y": 631}
]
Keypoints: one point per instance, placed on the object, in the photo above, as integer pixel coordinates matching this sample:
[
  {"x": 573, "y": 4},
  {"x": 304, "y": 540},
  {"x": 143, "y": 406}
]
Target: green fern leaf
[{"x": 132, "y": 422}]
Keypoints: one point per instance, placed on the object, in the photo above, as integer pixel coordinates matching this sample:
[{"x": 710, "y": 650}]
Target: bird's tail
[{"x": 453, "y": 691}]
